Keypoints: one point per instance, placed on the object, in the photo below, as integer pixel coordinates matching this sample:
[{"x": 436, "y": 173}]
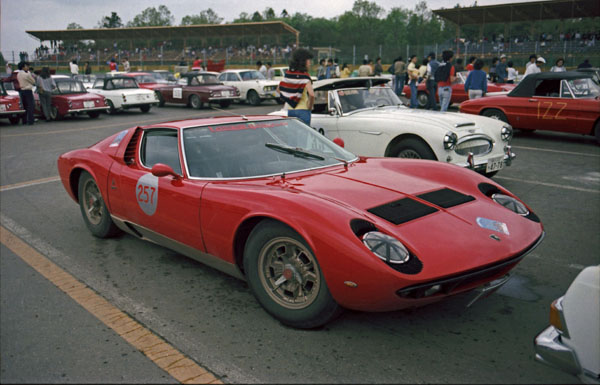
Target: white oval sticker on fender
[{"x": 146, "y": 193}]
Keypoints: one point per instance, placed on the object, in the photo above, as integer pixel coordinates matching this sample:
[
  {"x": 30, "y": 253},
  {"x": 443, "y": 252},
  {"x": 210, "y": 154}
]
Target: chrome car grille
[{"x": 478, "y": 146}]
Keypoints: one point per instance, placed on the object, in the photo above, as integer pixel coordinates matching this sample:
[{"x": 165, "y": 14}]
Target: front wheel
[
  {"x": 111, "y": 107},
  {"x": 94, "y": 211},
  {"x": 159, "y": 97},
  {"x": 145, "y": 108},
  {"x": 253, "y": 98},
  {"x": 422, "y": 99},
  {"x": 412, "y": 149},
  {"x": 285, "y": 277},
  {"x": 54, "y": 114},
  {"x": 195, "y": 102},
  {"x": 495, "y": 114}
]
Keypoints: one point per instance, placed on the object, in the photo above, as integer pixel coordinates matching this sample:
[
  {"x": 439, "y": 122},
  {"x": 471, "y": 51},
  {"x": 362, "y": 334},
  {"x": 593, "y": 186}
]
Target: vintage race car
[
  {"x": 371, "y": 121},
  {"x": 311, "y": 227},
  {"x": 253, "y": 86},
  {"x": 572, "y": 341},
  {"x": 199, "y": 88},
  {"x": 145, "y": 80},
  {"x": 459, "y": 94},
  {"x": 10, "y": 106},
  {"x": 123, "y": 92},
  {"x": 553, "y": 101},
  {"x": 71, "y": 98}
]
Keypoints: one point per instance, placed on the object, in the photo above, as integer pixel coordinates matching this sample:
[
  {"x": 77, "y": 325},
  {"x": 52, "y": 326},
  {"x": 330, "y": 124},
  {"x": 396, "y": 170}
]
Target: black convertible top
[{"x": 526, "y": 87}]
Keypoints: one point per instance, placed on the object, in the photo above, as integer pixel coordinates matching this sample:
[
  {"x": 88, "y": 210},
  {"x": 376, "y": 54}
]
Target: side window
[
  {"x": 160, "y": 146},
  {"x": 232, "y": 77},
  {"x": 564, "y": 90},
  {"x": 223, "y": 77},
  {"x": 194, "y": 81},
  {"x": 548, "y": 88},
  {"x": 109, "y": 85}
]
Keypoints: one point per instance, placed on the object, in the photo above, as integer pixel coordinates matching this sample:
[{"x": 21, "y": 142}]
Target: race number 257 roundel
[{"x": 146, "y": 193}]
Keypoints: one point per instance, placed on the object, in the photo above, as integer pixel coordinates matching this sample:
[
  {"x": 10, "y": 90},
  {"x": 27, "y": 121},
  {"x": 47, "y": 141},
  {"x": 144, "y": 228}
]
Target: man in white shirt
[
  {"x": 74, "y": 67},
  {"x": 261, "y": 68},
  {"x": 534, "y": 68}
]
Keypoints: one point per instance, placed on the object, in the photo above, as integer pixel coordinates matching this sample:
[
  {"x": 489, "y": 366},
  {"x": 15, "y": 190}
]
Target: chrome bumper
[
  {"x": 76, "y": 110},
  {"x": 550, "y": 350},
  {"x": 138, "y": 105},
  {"x": 218, "y": 99},
  {"x": 481, "y": 166},
  {"x": 13, "y": 112}
]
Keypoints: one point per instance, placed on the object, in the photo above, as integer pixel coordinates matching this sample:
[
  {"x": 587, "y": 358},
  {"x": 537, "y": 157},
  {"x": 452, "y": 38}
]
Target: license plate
[
  {"x": 88, "y": 104},
  {"x": 225, "y": 93},
  {"x": 494, "y": 164}
]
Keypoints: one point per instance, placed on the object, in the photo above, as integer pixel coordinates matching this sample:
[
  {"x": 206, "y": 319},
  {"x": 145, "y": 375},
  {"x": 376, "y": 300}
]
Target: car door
[
  {"x": 322, "y": 120},
  {"x": 548, "y": 109},
  {"x": 157, "y": 205}
]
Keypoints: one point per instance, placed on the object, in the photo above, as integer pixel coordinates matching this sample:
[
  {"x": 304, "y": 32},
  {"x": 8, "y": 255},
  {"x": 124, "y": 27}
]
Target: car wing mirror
[
  {"x": 332, "y": 111},
  {"x": 160, "y": 170}
]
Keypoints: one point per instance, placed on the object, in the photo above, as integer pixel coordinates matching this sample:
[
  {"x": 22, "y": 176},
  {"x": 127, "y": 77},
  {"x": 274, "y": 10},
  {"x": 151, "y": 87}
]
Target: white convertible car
[
  {"x": 371, "y": 121},
  {"x": 253, "y": 86},
  {"x": 123, "y": 93}
]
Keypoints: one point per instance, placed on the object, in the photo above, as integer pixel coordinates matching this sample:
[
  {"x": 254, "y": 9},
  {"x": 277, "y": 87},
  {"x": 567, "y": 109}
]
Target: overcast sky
[{"x": 21, "y": 15}]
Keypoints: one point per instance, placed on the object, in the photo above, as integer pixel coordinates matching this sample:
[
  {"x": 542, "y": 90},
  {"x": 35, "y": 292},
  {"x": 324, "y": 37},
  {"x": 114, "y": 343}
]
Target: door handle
[{"x": 533, "y": 100}]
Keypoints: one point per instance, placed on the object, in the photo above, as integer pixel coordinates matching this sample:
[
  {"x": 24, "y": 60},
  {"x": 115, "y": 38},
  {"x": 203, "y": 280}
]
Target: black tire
[
  {"x": 93, "y": 209},
  {"x": 490, "y": 174},
  {"x": 280, "y": 100},
  {"x": 253, "y": 98},
  {"x": 422, "y": 99},
  {"x": 145, "y": 108},
  {"x": 271, "y": 241},
  {"x": 495, "y": 114},
  {"x": 54, "y": 115},
  {"x": 412, "y": 148},
  {"x": 597, "y": 131},
  {"x": 161, "y": 100},
  {"x": 93, "y": 114},
  {"x": 14, "y": 119},
  {"x": 225, "y": 103},
  {"x": 111, "y": 107},
  {"x": 195, "y": 102}
]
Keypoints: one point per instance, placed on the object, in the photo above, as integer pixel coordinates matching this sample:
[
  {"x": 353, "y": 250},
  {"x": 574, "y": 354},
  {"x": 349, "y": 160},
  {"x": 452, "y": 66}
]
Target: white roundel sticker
[{"x": 146, "y": 192}]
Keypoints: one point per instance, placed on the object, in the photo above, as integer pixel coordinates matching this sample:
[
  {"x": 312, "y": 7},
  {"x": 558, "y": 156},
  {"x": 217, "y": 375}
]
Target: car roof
[
  {"x": 138, "y": 73},
  {"x": 240, "y": 70},
  {"x": 337, "y": 83},
  {"x": 214, "y": 120},
  {"x": 526, "y": 86}
]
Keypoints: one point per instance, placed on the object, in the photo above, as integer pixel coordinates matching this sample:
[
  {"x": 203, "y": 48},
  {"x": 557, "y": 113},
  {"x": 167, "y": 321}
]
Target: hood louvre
[
  {"x": 402, "y": 210},
  {"x": 446, "y": 198}
]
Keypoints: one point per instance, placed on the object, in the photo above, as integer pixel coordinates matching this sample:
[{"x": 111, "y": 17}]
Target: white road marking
[
  {"x": 29, "y": 183},
  {"x": 556, "y": 151},
  {"x": 574, "y": 266},
  {"x": 549, "y": 184},
  {"x": 588, "y": 178}
]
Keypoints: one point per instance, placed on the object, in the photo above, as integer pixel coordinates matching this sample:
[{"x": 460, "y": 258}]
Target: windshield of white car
[
  {"x": 68, "y": 86},
  {"x": 251, "y": 75},
  {"x": 360, "y": 98},
  {"x": 584, "y": 88},
  {"x": 121, "y": 83},
  {"x": 244, "y": 150}
]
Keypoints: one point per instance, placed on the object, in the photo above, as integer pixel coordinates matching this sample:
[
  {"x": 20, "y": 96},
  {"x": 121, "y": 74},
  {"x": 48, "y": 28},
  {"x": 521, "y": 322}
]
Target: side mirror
[
  {"x": 332, "y": 111},
  {"x": 160, "y": 170}
]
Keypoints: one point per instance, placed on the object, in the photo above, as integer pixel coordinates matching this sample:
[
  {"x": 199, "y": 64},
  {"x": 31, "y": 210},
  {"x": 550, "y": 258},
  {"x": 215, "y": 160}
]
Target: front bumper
[
  {"x": 11, "y": 113},
  {"x": 550, "y": 350},
  {"x": 269, "y": 95},
  {"x": 221, "y": 99},
  {"x": 481, "y": 165}
]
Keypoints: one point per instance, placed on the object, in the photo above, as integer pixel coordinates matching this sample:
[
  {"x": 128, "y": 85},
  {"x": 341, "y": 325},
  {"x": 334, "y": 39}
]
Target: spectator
[
  {"x": 532, "y": 59},
  {"x": 26, "y": 83},
  {"x": 87, "y": 70},
  {"x": 512, "y": 73},
  {"x": 445, "y": 86},
  {"x": 413, "y": 76},
  {"x": 459, "y": 65},
  {"x": 296, "y": 87},
  {"x": 197, "y": 63},
  {"x": 399, "y": 73},
  {"x": 432, "y": 66},
  {"x": 336, "y": 65},
  {"x": 261, "y": 68},
  {"x": 559, "y": 65},
  {"x": 44, "y": 87},
  {"x": 470, "y": 65},
  {"x": 585, "y": 64},
  {"x": 321, "y": 70},
  {"x": 126, "y": 66},
  {"x": 493, "y": 75},
  {"x": 476, "y": 83},
  {"x": 364, "y": 69},
  {"x": 535, "y": 68},
  {"x": 345, "y": 71},
  {"x": 270, "y": 71},
  {"x": 112, "y": 64},
  {"x": 330, "y": 69},
  {"x": 423, "y": 70},
  {"x": 501, "y": 70},
  {"x": 74, "y": 68},
  {"x": 378, "y": 68},
  {"x": 8, "y": 68}
]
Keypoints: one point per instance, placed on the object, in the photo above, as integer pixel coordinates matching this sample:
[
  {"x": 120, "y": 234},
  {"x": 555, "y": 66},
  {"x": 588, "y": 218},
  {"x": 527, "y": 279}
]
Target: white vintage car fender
[{"x": 116, "y": 96}]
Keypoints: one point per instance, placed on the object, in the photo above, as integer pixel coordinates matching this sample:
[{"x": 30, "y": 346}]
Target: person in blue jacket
[{"x": 476, "y": 83}]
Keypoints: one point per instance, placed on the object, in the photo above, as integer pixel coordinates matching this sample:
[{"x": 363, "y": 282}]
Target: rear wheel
[
  {"x": 422, "y": 99},
  {"x": 412, "y": 148},
  {"x": 54, "y": 114},
  {"x": 285, "y": 277},
  {"x": 225, "y": 103},
  {"x": 195, "y": 102},
  {"x": 161, "y": 100},
  {"x": 597, "y": 131},
  {"x": 145, "y": 108},
  {"x": 93, "y": 114},
  {"x": 495, "y": 114},
  {"x": 253, "y": 98},
  {"x": 111, "y": 107},
  {"x": 94, "y": 211}
]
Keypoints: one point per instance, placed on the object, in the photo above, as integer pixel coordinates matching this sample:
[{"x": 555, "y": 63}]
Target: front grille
[{"x": 478, "y": 146}]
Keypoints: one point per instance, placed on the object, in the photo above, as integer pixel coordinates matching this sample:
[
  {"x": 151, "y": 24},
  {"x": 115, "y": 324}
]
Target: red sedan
[
  {"x": 144, "y": 79},
  {"x": 553, "y": 101},
  {"x": 458, "y": 90},
  {"x": 311, "y": 227},
  {"x": 71, "y": 98},
  {"x": 199, "y": 88},
  {"x": 10, "y": 106}
]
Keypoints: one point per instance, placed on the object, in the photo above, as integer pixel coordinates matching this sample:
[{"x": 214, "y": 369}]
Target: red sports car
[
  {"x": 10, "y": 106},
  {"x": 553, "y": 101},
  {"x": 458, "y": 90},
  {"x": 199, "y": 88},
  {"x": 145, "y": 80},
  {"x": 311, "y": 227},
  {"x": 71, "y": 98}
]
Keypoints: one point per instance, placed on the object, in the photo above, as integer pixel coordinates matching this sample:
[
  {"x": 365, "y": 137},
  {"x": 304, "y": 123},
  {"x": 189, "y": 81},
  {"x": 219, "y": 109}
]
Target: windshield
[
  {"x": 251, "y": 75},
  {"x": 144, "y": 79},
  {"x": 360, "y": 98},
  {"x": 69, "y": 87},
  {"x": 85, "y": 78},
  {"x": 120, "y": 83},
  {"x": 242, "y": 150},
  {"x": 204, "y": 79},
  {"x": 584, "y": 88},
  {"x": 164, "y": 77}
]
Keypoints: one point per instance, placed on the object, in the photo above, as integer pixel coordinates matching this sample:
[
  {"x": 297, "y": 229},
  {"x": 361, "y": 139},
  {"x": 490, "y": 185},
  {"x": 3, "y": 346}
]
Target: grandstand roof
[
  {"x": 170, "y": 32},
  {"x": 529, "y": 11}
]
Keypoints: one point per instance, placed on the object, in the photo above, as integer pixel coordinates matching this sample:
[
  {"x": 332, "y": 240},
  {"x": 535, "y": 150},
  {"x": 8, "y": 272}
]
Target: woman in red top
[{"x": 470, "y": 66}]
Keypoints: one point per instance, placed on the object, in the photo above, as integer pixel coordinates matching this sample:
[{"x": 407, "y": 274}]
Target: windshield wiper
[{"x": 296, "y": 151}]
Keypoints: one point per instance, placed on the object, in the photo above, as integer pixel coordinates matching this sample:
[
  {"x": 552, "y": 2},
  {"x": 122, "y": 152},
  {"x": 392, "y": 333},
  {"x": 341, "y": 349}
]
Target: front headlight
[
  {"x": 387, "y": 248},
  {"x": 506, "y": 133},
  {"x": 450, "y": 140},
  {"x": 511, "y": 203}
]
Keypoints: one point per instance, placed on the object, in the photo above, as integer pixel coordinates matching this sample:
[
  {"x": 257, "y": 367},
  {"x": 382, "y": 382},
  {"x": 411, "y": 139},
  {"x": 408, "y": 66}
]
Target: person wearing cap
[
  {"x": 535, "y": 68},
  {"x": 502, "y": 70}
]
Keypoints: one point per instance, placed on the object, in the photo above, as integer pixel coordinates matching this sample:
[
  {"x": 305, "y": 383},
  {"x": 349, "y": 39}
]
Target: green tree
[
  {"x": 205, "y": 17},
  {"x": 242, "y": 18},
  {"x": 74, "y": 26},
  {"x": 256, "y": 16},
  {"x": 284, "y": 14},
  {"x": 112, "y": 21},
  {"x": 151, "y": 17},
  {"x": 269, "y": 14}
]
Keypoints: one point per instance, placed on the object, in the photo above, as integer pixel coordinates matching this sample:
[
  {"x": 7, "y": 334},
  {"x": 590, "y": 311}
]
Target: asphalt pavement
[{"x": 213, "y": 319}]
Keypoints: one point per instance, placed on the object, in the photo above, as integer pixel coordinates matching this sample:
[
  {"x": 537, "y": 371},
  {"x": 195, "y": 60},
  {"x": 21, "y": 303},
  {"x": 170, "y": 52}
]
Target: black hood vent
[
  {"x": 402, "y": 210},
  {"x": 446, "y": 198}
]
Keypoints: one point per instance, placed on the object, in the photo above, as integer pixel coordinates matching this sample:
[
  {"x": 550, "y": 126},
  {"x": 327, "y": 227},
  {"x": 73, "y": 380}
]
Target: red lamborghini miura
[{"x": 311, "y": 227}]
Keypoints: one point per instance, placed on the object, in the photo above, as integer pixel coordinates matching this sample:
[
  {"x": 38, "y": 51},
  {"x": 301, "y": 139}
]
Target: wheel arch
[
  {"x": 487, "y": 108},
  {"x": 74, "y": 177},
  {"x": 402, "y": 137}
]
